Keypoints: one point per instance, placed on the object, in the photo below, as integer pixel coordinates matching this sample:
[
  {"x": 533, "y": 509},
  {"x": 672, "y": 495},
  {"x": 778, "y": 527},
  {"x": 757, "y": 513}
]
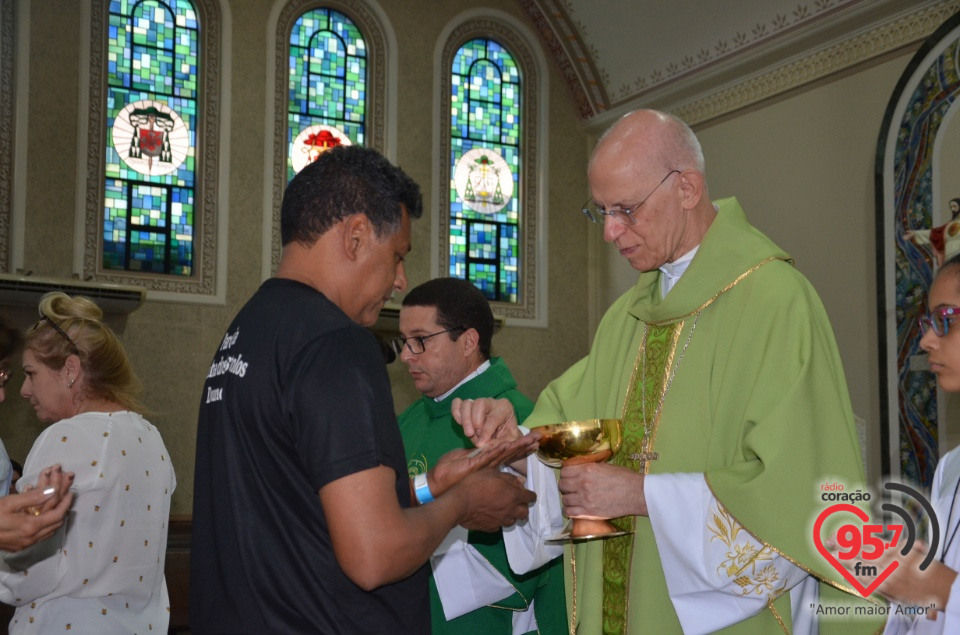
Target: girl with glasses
[
  {"x": 33, "y": 516},
  {"x": 938, "y": 583}
]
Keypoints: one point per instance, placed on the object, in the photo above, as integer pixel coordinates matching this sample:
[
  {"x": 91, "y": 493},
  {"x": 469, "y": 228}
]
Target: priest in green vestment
[
  {"x": 446, "y": 328},
  {"x": 722, "y": 365}
]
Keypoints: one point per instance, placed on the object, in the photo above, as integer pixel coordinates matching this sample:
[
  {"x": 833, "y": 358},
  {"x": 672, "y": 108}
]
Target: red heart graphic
[{"x": 862, "y": 515}]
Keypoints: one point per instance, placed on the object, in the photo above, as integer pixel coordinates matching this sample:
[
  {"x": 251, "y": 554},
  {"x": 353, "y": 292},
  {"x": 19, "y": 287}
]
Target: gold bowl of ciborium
[{"x": 574, "y": 443}]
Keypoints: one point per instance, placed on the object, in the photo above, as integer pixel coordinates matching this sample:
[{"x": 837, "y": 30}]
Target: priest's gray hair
[
  {"x": 677, "y": 147},
  {"x": 680, "y": 147}
]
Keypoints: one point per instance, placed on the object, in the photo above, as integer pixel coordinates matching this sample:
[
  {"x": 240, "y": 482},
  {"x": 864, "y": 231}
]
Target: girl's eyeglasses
[{"x": 939, "y": 320}]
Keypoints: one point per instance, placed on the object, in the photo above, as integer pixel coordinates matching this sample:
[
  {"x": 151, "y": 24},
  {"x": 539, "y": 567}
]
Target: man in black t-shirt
[{"x": 302, "y": 517}]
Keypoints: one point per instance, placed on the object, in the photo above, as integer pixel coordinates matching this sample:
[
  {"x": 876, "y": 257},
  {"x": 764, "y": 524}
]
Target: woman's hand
[{"x": 38, "y": 512}]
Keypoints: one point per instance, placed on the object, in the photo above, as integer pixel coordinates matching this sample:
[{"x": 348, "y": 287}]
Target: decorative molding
[
  {"x": 530, "y": 196},
  {"x": 203, "y": 281},
  {"x": 375, "y": 37},
  {"x": 907, "y": 177},
  {"x": 723, "y": 50},
  {"x": 839, "y": 57},
  {"x": 704, "y": 85},
  {"x": 576, "y": 65},
  {"x": 8, "y": 43}
]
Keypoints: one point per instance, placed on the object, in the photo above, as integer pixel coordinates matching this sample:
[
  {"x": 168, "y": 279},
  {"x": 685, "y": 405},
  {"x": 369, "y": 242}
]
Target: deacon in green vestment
[
  {"x": 722, "y": 364},
  {"x": 447, "y": 326}
]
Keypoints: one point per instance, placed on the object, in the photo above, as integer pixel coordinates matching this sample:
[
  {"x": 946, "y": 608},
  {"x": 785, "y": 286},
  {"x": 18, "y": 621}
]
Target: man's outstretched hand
[{"x": 456, "y": 465}]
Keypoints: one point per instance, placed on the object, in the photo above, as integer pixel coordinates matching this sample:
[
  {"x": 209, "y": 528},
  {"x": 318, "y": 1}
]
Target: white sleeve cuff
[{"x": 719, "y": 574}]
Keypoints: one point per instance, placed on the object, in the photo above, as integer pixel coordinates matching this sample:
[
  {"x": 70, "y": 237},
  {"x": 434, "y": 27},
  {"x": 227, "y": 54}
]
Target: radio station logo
[{"x": 860, "y": 546}]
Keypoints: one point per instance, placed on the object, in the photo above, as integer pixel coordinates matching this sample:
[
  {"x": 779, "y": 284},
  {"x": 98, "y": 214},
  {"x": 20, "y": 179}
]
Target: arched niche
[{"x": 917, "y": 173}]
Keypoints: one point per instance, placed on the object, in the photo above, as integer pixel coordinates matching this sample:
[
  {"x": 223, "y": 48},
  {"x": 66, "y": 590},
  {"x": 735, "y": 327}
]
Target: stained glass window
[
  {"x": 328, "y": 85},
  {"x": 485, "y": 168},
  {"x": 152, "y": 79}
]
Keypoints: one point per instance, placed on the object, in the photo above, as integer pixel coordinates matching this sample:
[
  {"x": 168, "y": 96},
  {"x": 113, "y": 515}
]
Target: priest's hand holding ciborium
[{"x": 574, "y": 443}]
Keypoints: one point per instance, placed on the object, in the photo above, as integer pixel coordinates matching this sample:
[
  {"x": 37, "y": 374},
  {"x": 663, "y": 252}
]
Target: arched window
[
  {"x": 486, "y": 162},
  {"x": 490, "y": 206},
  {"x": 153, "y": 220},
  {"x": 150, "y": 174},
  {"x": 330, "y": 88},
  {"x": 328, "y": 85}
]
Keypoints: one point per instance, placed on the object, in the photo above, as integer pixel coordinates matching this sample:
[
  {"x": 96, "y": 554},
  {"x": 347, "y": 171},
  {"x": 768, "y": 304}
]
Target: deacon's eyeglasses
[
  {"x": 56, "y": 327},
  {"x": 595, "y": 213},
  {"x": 939, "y": 320},
  {"x": 416, "y": 343}
]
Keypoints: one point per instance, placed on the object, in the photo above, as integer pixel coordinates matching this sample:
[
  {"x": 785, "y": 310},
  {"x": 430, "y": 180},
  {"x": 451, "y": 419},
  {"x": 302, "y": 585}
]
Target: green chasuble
[
  {"x": 429, "y": 431},
  {"x": 743, "y": 383}
]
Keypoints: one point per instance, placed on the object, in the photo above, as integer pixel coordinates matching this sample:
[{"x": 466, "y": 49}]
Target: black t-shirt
[{"x": 296, "y": 397}]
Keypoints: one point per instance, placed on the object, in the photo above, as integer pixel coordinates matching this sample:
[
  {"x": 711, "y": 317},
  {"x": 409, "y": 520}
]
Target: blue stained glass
[
  {"x": 485, "y": 113},
  {"x": 153, "y": 54}
]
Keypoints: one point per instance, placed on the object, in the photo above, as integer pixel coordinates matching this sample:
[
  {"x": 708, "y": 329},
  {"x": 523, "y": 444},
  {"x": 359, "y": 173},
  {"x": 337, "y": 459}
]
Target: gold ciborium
[{"x": 573, "y": 443}]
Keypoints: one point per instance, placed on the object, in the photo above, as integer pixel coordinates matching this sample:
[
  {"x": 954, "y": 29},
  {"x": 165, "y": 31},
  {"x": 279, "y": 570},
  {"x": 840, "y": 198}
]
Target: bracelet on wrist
[{"x": 422, "y": 489}]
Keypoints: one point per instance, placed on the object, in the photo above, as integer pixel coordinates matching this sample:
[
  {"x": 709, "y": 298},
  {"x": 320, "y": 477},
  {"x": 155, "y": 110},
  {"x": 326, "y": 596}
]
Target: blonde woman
[
  {"x": 33, "y": 516},
  {"x": 104, "y": 572}
]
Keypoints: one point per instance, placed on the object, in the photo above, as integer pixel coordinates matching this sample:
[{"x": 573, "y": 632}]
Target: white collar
[
  {"x": 673, "y": 270},
  {"x": 482, "y": 367}
]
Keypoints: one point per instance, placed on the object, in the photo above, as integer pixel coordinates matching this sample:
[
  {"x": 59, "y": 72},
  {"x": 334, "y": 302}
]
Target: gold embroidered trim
[
  {"x": 633, "y": 376},
  {"x": 734, "y": 283},
  {"x": 635, "y": 380},
  {"x": 823, "y": 580},
  {"x": 745, "y": 555},
  {"x": 507, "y": 608},
  {"x": 777, "y": 617},
  {"x": 573, "y": 574},
  {"x": 674, "y": 340},
  {"x": 657, "y": 351}
]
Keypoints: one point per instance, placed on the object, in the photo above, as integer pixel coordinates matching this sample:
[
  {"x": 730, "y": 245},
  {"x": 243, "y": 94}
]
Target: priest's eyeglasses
[
  {"x": 939, "y": 320},
  {"x": 595, "y": 213},
  {"x": 416, "y": 343}
]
